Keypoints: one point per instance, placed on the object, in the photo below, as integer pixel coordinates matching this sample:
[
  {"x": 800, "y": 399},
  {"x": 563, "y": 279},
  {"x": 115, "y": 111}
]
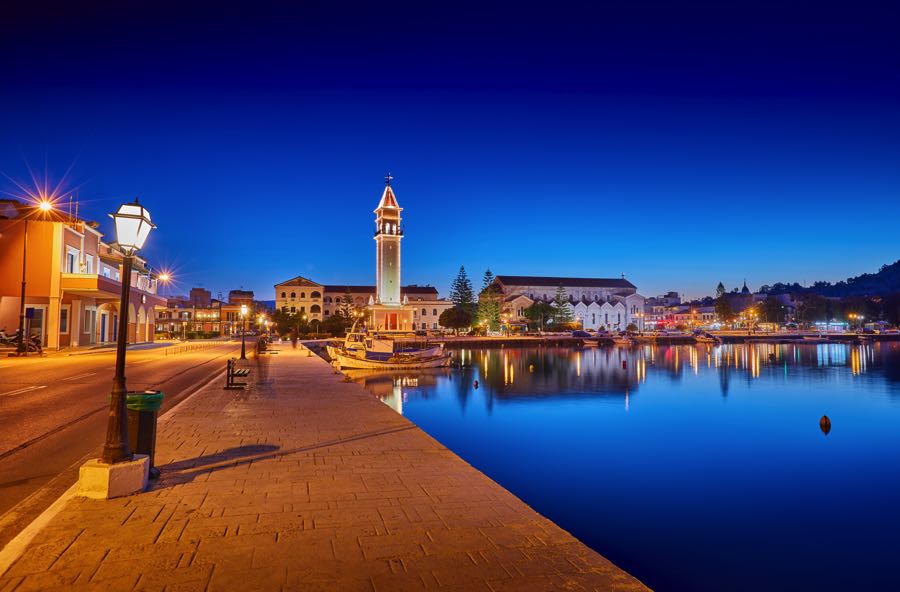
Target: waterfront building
[
  {"x": 303, "y": 296},
  {"x": 73, "y": 282},
  {"x": 202, "y": 316},
  {"x": 595, "y": 303}
]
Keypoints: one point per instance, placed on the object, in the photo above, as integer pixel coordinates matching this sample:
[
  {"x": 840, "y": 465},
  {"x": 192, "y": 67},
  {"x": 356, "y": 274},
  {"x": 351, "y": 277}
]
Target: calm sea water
[{"x": 692, "y": 467}]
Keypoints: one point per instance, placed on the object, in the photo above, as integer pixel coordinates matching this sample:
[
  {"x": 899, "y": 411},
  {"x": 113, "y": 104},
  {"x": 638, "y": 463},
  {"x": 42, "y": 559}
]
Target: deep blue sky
[{"x": 680, "y": 143}]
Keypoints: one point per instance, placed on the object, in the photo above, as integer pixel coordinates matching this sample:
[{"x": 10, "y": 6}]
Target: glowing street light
[
  {"x": 43, "y": 207},
  {"x": 133, "y": 225}
]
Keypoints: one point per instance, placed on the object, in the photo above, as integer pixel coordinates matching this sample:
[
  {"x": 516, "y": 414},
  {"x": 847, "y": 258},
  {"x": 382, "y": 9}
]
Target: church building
[{"x": 595, "y": 303}]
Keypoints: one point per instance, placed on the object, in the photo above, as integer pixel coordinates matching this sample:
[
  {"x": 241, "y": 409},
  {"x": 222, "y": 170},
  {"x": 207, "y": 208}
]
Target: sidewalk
[{"x": 305, "y": 482}]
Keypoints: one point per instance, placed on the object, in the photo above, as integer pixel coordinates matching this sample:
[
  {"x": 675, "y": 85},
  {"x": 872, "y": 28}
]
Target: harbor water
[{"x": 735, "y": 467}]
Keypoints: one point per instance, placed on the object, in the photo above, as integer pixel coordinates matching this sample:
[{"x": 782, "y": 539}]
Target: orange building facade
[{"x": 72, "y": 282}]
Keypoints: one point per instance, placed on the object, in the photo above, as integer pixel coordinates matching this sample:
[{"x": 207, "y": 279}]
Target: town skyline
[{"x": 186, "y": 274}]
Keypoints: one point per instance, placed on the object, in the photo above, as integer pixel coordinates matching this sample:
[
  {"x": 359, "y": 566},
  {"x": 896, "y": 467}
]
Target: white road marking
[
  {"x": 20, "y": 391},
  {"x": 77, "y": 376}
]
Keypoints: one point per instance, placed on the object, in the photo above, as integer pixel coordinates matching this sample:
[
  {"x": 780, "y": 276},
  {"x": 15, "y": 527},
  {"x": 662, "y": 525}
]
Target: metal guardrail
[{"x": 194, "y": 346}]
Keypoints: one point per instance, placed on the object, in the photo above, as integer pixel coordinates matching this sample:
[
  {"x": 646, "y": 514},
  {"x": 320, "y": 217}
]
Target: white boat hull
[{"x": 396, "y": 363}]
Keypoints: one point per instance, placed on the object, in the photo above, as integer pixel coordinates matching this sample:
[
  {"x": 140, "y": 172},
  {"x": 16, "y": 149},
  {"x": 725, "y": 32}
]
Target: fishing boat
[
  {"x": 622, "y": 340},
  {"x": 397, "y": 361},
  {"x": 359, "y": 349},
  {"x": 701, "y": 337}
]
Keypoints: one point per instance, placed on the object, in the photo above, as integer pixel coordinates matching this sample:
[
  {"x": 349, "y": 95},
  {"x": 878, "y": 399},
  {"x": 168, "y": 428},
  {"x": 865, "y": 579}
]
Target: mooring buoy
[{"x": 825, "y": 424}]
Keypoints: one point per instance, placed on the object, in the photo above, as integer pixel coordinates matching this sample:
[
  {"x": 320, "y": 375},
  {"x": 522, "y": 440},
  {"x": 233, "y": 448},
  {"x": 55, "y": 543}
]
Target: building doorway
[
  {"x": 104, "y": 320},
  {"x": 34, "y": 323}
]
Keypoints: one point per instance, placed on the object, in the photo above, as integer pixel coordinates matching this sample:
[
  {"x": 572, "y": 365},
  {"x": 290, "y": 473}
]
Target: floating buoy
[
  {"x": 825, "y": 424},
  {"x": 475, "y": 384}
]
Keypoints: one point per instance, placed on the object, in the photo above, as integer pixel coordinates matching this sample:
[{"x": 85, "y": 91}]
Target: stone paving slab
[{"x": 306, "y": 482}]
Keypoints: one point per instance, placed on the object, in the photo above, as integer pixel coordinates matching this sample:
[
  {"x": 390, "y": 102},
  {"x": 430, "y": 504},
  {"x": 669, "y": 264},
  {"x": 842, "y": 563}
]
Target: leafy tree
[
  {"x": 890, "y": 306},
  {"x": 720, "y": 290},
  {"x": 724, "y": 310},
  {"x": 631, "y": 328},
  {"x": 772, "y": 311},
  {"x": 455, "y": 318},
  {"x": 538, "y": 314},
  {"x": 489, "y": 304},
  {"x": 562, "y": 312},
  {"x": 461, "y": 293},
  {"x": 812, "y": 308},
  {"x": 336, "y": 324}
]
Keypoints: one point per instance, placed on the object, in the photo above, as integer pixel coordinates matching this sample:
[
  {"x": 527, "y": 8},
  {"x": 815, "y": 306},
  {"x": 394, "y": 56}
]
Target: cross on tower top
[{"x": 387, "y": 179}]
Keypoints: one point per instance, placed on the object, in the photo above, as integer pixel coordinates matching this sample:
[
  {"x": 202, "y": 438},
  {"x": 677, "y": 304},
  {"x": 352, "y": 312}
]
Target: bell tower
[
  {"x": 390, "y": 313},
  {"x": 387, "y": 247}
]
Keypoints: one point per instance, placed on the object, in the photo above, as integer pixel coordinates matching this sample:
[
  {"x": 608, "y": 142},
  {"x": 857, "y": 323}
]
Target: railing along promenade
[{"x": 181, "y": 348}]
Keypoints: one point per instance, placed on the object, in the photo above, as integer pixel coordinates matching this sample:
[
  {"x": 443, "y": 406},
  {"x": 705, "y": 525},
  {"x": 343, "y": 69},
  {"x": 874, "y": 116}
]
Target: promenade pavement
[{"x": 306, "y": 482}]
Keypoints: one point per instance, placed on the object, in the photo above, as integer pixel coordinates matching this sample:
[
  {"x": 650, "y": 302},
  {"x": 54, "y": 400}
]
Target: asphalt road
[{"x": 53, "y": 414}]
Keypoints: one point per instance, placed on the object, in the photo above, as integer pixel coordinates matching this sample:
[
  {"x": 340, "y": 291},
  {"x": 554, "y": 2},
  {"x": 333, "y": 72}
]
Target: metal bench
[{"x": 232, "y": 372}]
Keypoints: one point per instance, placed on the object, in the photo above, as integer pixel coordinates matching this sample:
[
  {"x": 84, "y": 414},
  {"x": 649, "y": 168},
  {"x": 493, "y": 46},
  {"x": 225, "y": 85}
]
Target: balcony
[
  {"x": 99, "y": 286},
  {"x": 89, "y": 284}
]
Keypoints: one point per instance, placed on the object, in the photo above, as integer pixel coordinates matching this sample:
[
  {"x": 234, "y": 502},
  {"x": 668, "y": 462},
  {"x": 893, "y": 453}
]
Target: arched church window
[
  {"x": 424, "y": 312},
  {"x": 315, "y": 309},
  {"x": 315, "y": 295},
  {"x": 302, "y": 294},
  {"x": 284, "y": 295},
  {"x": 293, "y": 294}
]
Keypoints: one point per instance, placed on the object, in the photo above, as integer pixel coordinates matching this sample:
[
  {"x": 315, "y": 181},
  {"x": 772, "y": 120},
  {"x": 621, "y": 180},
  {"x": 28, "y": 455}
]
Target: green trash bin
[{"x": 143, "y": 411}]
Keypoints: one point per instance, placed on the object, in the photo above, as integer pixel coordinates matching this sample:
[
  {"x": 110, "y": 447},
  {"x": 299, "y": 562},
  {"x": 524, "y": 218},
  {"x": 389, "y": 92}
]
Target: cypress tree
[{"x": 562, "y": 313}]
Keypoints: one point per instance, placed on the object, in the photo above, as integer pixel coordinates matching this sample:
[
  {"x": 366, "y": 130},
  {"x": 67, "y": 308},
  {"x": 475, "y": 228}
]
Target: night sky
[{"x": 681, "y": 143}]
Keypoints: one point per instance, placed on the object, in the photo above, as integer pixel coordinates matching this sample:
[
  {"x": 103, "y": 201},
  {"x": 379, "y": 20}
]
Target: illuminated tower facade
[
  {"x": 387, "y": 247},
  {"x": 389, "y": 311}
]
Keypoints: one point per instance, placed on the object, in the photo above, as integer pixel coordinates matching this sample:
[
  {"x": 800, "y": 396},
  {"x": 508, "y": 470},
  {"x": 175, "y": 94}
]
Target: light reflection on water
[{"x": 693, "y": 467}]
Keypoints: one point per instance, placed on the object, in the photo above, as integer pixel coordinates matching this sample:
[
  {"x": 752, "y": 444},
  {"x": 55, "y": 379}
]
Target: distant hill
[{"x": 885, "y": 281}]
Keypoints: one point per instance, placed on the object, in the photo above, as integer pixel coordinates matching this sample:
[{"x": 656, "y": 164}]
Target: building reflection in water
[{"x": 520, "y": 374}]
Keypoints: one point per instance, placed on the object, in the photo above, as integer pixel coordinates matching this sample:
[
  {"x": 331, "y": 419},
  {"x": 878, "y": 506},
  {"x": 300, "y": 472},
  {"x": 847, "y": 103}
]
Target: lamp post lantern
[
  {"x": 243, "y": 331},
  {"x": 133, "y": 225}
]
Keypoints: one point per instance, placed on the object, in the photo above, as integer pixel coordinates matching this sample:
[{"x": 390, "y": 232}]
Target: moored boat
[{"x": 400, "y": 361}]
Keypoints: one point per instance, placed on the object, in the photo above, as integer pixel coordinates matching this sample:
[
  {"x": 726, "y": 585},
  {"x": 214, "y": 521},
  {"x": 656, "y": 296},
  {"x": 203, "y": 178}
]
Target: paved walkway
[{"x": 306, "y": 482}]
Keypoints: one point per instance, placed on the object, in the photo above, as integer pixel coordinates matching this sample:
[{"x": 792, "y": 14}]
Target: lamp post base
[{"x": 99, "y": 480}]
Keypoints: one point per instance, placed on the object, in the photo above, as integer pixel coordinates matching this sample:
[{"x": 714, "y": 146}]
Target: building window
[
  {"x": 284, "y": 309},
  {"x": 434, "y": 312},
  {"x": 293, "y": 309},
  {"x": 64, "y": 320},
  {"x": 315, "y": 295},
  {"x": 293, "y": 295},
  {"x": 284, "y": 294},
  {"x": 424, "y": 312},
  {"x": 89, "y": 265},
  {"x": 71, "y": 260},
  {"x": 327, "y": 313},
  {"x": 315, "y": 309},
  {"x": 302, "y": 294}
]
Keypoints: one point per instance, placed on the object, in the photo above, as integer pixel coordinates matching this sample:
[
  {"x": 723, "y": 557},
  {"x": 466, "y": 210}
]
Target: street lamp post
[
  {"x": 243, "y": 331},
  {"x": 21, "y": 349},
  {"x": 132, "y": 227}
]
